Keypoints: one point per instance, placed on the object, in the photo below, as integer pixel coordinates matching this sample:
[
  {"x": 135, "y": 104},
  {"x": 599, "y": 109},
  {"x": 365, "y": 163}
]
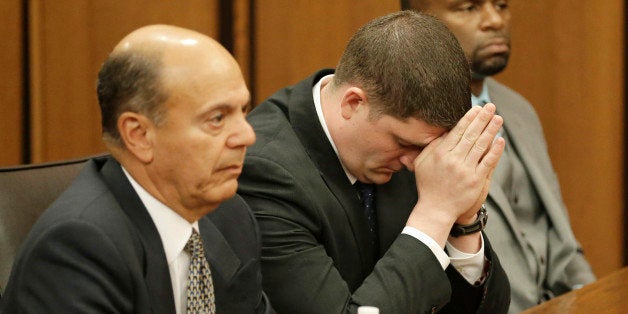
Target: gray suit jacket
[
  {"x": 96, "y": 250},
  {"x": 565, "y": 262},
  {"x": 316, "y": 254}
]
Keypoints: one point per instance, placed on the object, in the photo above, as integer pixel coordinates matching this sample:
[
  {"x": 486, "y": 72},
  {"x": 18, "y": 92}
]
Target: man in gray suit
[
  {"x": 530, "y": 227},
  {"x": 341, "y": 159},
  {"x": 155, "y": 228}
]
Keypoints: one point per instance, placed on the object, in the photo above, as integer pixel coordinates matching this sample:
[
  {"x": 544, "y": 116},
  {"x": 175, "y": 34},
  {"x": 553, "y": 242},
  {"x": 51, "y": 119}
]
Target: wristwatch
[{"x": 476, "y": 226}]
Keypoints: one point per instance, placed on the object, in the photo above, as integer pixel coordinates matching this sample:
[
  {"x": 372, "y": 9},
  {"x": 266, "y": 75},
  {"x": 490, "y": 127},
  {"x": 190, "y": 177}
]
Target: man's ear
[
  {"x": 137, "y": 131},
  {"x": 353, "y": 99}
]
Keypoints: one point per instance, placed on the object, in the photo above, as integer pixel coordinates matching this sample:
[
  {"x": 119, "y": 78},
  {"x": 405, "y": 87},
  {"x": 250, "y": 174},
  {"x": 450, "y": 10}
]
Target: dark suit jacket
[
  {"x": 97, "y": 250},
  {"x": 316, "y": 256},
  {"x": 566, "y": 265}
]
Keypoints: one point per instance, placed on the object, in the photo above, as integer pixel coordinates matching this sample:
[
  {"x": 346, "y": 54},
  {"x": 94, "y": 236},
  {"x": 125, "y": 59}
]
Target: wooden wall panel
[
  {"x": 11, "y": 86},
  {"x": 568, "y": 61},
  {"x": 242, "y": 50},
  {"x": 70, "y": 40},
  {"x": 292, "y": 39}
]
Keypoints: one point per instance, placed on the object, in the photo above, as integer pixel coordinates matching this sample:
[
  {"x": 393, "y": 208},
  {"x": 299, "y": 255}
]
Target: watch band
[{"x": 476, "y": 226}]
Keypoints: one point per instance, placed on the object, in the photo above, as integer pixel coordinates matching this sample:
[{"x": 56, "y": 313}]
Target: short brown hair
[
  {"x": 129, "y": 81},
  {"x": 410, "y": 65}
]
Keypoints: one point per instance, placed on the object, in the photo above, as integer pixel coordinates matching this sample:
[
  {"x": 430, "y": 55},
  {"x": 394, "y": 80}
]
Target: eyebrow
[{"x": 228, "y": 107}]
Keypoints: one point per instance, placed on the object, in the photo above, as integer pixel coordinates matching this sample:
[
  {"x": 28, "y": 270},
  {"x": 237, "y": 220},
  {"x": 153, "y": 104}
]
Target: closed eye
[{"x": 410, "y": 146}]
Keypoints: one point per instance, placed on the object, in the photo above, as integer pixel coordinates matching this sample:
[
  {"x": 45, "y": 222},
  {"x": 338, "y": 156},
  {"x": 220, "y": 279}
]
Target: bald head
[
  {"x": 173, "y": 113},
  {"x": 139, "y": 73}
]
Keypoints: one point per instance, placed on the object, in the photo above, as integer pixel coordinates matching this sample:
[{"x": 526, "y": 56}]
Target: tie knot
[
  {"x": 366, "y": 190},
  {"x": 195, "y": 244}
]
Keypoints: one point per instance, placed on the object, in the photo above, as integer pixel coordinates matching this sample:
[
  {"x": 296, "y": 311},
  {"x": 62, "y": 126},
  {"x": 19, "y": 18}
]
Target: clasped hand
[{"x": 453, "y": 172}]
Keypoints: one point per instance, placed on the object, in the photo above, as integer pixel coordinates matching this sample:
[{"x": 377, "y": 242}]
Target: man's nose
[
  {"x": 492, "y": 17},
  {"x": 243, "y": 135},
  {"x": 408, "y": 157}
]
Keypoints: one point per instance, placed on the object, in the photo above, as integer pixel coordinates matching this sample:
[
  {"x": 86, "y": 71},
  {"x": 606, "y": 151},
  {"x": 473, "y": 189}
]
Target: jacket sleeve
[{"x": 579, "y": 271}]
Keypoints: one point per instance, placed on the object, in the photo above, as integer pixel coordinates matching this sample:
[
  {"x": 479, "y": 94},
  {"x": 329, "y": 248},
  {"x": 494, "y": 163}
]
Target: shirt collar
[
  {"x": 173, "y": 229},
  {"x": 316, "y": 94},
  {"x": 483, "y": 98}
]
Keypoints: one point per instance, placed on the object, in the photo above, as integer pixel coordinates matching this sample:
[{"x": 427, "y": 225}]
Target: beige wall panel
[
  {"x": 70, "y": 40},
  {"x": 568, "y": 61},
  {"x": 295, "y": 38},
  {"x": 11, "y": 86}
]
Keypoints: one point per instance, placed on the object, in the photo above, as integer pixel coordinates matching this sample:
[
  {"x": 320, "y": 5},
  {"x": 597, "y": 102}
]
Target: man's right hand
[{"x": 453, "y": 173}]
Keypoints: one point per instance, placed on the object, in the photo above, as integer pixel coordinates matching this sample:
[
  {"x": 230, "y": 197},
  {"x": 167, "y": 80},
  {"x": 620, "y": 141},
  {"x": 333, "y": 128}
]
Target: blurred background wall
[{"x": 568, "y": 60}]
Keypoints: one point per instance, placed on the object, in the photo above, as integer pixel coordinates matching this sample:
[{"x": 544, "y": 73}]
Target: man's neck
[
  {"x": 326, "y": 96},
  {"x": 476, "y": 86}
]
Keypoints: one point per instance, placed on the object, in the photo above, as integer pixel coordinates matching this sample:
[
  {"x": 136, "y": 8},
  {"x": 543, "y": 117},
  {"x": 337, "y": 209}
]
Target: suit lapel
[
  {"x": 305, "y": 123},
  {"x": 222, "y": 260},
  {"x": 395, "y": 200},
  {"x": 156, "y": 269}
]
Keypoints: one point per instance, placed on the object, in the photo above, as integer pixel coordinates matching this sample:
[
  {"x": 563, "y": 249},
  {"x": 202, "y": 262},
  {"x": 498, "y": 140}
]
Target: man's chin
[
  {"x": 223, "y": 192},
  {"x": 380, "y": 177},
  {"x": 490, "y": 67}
]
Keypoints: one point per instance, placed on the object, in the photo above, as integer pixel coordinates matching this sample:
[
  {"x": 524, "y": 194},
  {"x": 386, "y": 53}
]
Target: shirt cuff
[
  {"x": 470, "y": 266},
  {"x": 438, "y": 251}
]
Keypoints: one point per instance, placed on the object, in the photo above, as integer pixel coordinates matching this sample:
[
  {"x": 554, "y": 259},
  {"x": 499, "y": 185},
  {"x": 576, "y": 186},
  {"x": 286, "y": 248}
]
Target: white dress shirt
[
  {"x": 174, "y": 232},
  {"x": 470, "y": 266}
]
